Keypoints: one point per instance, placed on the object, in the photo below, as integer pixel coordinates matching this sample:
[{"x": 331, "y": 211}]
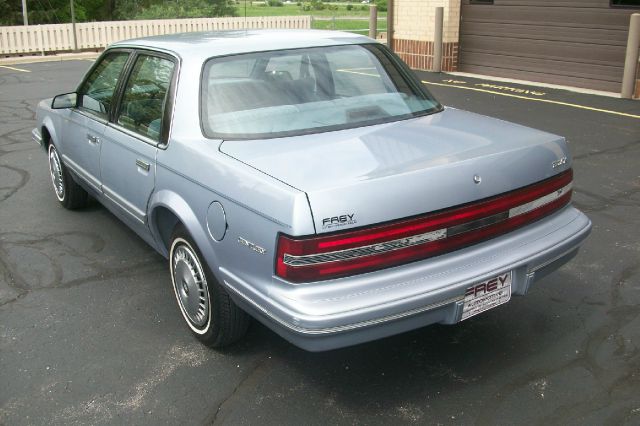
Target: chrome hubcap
[
  {"x": 190, "y": 285},
  {"x": 55, "y": 169}
]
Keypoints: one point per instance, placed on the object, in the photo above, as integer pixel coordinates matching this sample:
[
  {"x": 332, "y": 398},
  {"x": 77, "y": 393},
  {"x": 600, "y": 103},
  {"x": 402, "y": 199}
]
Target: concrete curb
[{"x": 48, "y": 58}]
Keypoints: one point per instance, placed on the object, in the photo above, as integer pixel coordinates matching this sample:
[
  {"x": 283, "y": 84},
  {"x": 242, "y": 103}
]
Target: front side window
[
  {"x": 300, "y": 91},
  {"x": 145, "y": 96},
  {"x": 96, "y": 94}
]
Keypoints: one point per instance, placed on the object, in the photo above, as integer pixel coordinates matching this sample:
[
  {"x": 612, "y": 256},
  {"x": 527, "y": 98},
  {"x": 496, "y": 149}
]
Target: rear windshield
[{"x": 301, "y": 91}]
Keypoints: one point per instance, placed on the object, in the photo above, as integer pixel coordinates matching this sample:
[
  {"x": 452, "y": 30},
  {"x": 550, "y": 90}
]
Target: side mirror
[{"x": 68, "y": 100}]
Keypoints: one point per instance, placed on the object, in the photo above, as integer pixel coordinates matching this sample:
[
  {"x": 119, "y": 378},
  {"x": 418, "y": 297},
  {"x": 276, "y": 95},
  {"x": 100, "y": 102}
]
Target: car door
[
  {"x": 85, "y": 125},
  {"x": 131, "y": 139}
]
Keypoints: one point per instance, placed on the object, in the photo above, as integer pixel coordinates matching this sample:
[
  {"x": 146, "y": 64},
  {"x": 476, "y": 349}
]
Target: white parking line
[
  {"x": 624, "y": 114},
  {"x": 14, "y": 68},
  {"x": 351, "y": 71}
]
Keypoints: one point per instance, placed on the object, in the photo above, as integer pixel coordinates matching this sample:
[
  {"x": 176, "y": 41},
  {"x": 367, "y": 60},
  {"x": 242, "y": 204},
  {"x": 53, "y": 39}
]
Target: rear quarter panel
[{"x": 192, "y": 174}]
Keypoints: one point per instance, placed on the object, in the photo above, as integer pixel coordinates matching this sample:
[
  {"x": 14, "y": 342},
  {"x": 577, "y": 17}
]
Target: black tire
[
  {"x": 71, "y": 195},
  {"x": 221, "y": 322}
]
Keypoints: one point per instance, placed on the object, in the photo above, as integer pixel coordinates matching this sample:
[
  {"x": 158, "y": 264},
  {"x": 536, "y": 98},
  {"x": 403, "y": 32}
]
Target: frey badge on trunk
[{"x": 338, "y": 221}]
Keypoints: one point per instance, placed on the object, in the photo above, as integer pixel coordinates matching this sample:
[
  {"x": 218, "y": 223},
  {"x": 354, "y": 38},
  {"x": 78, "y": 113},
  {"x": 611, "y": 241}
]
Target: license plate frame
[{"x": 486, "y": 295}]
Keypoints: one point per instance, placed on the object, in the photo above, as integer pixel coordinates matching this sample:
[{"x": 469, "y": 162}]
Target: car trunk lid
[{"x": 369, "y": 175}]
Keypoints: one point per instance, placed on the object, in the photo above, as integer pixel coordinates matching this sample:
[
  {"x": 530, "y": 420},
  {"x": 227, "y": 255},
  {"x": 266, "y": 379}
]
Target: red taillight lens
[{"x": 302, "y": 259}]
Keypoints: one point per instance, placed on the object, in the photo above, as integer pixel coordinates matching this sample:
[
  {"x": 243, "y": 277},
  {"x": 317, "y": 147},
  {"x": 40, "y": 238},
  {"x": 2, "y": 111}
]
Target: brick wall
[{"x": 414, "y": 22}]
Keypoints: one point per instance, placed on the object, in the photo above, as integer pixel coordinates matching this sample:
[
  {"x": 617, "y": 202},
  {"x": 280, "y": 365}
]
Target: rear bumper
[{"x": 343, "y": 312}]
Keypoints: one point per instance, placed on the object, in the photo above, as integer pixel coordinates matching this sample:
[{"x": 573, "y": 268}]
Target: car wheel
[
  {"x": 68, "y": 192},
  {"x": 205, "y": 305}
]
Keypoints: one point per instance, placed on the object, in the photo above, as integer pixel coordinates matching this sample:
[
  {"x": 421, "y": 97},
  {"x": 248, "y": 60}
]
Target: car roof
[{"x": 202, "y": 45}]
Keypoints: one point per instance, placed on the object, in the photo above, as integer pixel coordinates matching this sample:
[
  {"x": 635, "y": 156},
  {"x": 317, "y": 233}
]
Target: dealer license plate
[{"x": 486, "y": 295}]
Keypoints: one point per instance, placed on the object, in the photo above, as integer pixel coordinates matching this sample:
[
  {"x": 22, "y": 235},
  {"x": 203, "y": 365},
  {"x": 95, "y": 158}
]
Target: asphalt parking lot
[{"x": 90, "y": 332}]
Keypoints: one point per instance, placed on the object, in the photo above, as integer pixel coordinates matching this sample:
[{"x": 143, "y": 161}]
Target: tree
[
  {"x": 59, "y": 11},
  {"x": 187, "y": 9}
]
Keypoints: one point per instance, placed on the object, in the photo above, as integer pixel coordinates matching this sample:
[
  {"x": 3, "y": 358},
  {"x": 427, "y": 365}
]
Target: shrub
[
  {"x": 382, "y": 5},
  {"x": 317, "y": 5},
  {"x": 275, "y": 3},
  {"x": 349, "y": 7}
]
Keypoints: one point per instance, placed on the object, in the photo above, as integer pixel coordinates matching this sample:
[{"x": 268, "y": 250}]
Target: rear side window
[
  {"x": 145, "y": 96},
  {"x": 301, "y": 91},
  {"x": 239, "y": 68},
  {"x": 357, "y": 74},
  {"x": 290, "y": 67},
  {"x": 96, "y": 94}
]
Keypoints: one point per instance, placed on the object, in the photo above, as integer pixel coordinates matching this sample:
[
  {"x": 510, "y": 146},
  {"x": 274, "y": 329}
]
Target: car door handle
[
  {"x": 92, "y": 139},
  {"x": 143, "y": 165}
]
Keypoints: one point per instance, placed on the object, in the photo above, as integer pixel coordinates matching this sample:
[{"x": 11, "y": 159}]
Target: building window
[{"x": 625, "y": 3}]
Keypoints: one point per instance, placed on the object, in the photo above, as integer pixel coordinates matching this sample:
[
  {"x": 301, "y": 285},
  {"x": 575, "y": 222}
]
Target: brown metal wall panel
[
  {"x": 581, "y": 54},
  {"x": 546, "y": 78},
  {"x": 574, "y": 42},
  {"x": 546, "y": 66},
  {"x": 603, "y": 4},
  {"x": 551, "y": 16},
  {"x": 546, "y": 32}
]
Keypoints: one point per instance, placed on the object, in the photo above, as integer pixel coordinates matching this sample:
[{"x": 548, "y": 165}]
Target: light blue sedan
[{"x": 308, "y": 180}]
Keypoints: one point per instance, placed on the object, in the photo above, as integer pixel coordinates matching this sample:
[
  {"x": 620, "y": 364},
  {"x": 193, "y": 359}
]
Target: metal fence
[
  {"x": 96, "y": 35},
  {"x": 359, "y": 25}
]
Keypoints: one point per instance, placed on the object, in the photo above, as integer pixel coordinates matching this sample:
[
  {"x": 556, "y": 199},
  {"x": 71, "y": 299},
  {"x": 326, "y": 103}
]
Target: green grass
[
  {"x": 341, "y": 15},
  {"x": 294, "y": 10},
  {"x": 347, "y": 25}
]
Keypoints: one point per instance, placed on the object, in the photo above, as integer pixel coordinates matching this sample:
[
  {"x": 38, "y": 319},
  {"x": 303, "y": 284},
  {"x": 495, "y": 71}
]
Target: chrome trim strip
[
  {"x": 379, "y": 248},
  {"x": 82, "y": 173},
  {"x": 131, "y": 133},
  {"x": 90, "y": 114},
  {"x": 539, "y": 202},
  {"x": 477, "y": 224},
  {"x": 401, "y": 243},
  {"x": 127, "y": 207}
]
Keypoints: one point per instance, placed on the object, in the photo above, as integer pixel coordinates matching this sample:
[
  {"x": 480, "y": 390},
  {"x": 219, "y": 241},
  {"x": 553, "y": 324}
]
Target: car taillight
[{"x": 315, "y": 258}]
